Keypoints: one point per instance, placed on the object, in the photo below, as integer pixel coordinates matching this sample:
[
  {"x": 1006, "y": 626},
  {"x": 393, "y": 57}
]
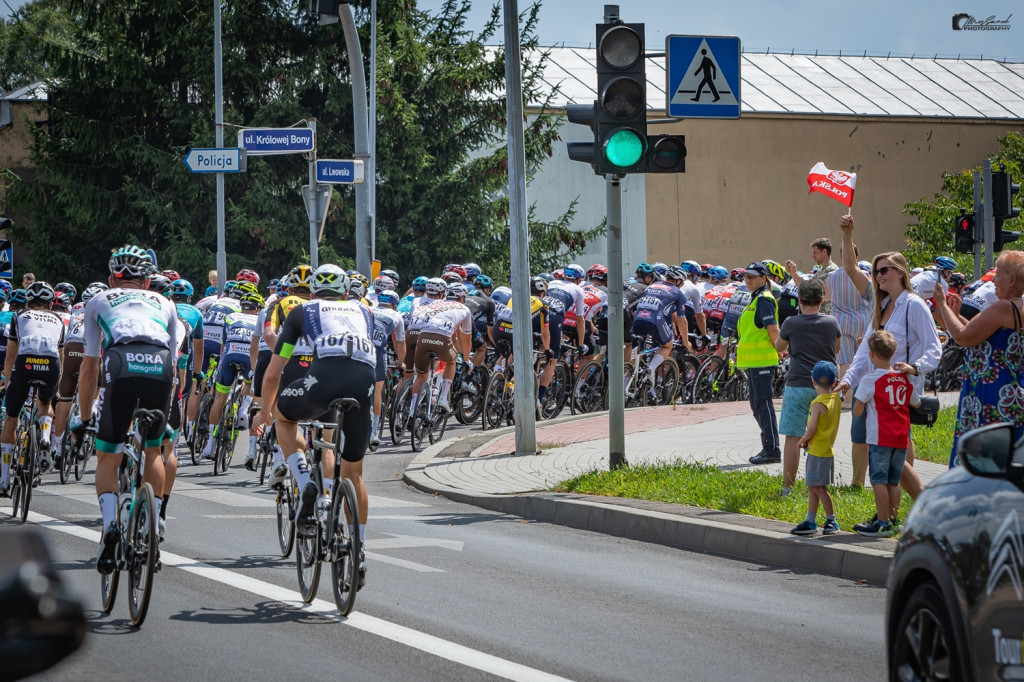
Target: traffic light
[
  {"x": 1003, "y": 191},
  {"x": 621, "y": 141},
  {"x": 964, "y": 233},
  {"x": 666, "y": 154},
  {"x": 584, "y": 114}
]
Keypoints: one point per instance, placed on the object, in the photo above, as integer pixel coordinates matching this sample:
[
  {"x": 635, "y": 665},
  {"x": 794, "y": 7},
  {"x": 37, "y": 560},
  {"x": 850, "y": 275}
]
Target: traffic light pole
[
  {"x": 978, "y": 220},
  {"x": 616, "y": 341},
  {"x": 522, "y": 327},
  {"x": 989, "y": 220}
]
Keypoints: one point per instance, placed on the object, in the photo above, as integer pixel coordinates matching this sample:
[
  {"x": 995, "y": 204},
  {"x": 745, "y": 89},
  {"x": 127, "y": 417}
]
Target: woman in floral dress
[{"x": 994, "y": 364}]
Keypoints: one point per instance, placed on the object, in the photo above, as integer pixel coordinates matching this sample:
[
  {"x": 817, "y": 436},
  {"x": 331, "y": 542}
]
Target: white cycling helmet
[
  {"x": 436, "y": 286},
  {"x": 330, "y": 279}
]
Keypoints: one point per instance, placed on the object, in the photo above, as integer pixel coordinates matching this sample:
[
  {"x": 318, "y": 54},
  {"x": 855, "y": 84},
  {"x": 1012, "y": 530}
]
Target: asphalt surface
[{"x": 454, "y": 592}]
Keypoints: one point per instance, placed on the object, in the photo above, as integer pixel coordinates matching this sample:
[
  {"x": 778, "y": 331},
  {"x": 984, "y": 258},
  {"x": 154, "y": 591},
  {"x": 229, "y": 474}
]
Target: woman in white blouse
[{"x": 918, "y": 350}]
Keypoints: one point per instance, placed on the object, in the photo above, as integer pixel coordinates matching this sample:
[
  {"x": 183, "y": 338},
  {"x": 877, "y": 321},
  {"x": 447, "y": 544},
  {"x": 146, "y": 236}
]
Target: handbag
[{"x": 927, "y": 412}]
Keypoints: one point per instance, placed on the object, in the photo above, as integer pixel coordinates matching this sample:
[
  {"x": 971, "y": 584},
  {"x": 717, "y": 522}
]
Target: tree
[
  {"x": 132, "y": 90},
  {"x": 22, "y": 37},
  {"x": 932, "y": 234}
]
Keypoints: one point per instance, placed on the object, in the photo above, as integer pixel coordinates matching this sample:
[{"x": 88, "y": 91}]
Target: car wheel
[{"x": 925, "y": 647}]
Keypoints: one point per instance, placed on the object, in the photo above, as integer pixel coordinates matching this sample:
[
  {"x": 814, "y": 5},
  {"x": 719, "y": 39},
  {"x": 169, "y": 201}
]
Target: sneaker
[
  {"x": 374, "y": 439},
  {"x": 830, "y": 527},
  {"x": 764, "y": 457},
  {"x": 362, "y": 570},
  {"x": 106, "y": 562},
  {"x": 250, "y": 463},
  {"x": 877, "y": 530},
  {"x": 307, "y": 503},
  {"x": 786, "y": 492},
  {"x": 894, "y": 521},
  {"x": 805, "y": 528},
  {"x": 5, "y": 489},
  {"x": 277, "y": 476},
  {"x": 161, "y": 528},
  {"x": 858, "y": 527},
  {"x": 45, "y": 463},
  {"x": 443, "y": 406}
]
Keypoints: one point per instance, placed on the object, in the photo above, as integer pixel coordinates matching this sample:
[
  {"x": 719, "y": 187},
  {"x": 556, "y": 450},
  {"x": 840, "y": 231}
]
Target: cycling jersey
[
  {"x": 75, "y": 328},
  {"x": 385, "y": 323},
  {"x": 660, "y": 302},
  {"x": 261, "y": 324},
  {"x": 338, "y": 329},
  {"x": 39, "y": 333},
  {"x": 442, "y": 317},
  {"x": 238, "y": 330},
  {"x": 120, "y": 316},
  {"x": 504, "y": 319},
  {"x": 191, "y": 315},
  {"x": 737, "y": 303},
  {"x": 593, "y": 301},
  {"x": 978, "y": 296},
  {"x": 924, "y": 283},
  {"x": 412, "y": 306},
  {"x": 213, "y": 320},
  {"x": 482, "y": 309},
  {"x": 566, "y": 298},
  {"x": 789, "y": 301}
]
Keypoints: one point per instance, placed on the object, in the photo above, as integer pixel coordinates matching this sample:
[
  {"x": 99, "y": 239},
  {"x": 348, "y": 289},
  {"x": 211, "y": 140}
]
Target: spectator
[
  {"x": 818, "y": 439},
  {"x": 821, "y": 252},
  {"x": 27, "y": 279},
  {"x": 810, "y": 337},
  {"x": 907, "y": 317},
  {"x": 993, "y": 387},
  {"x": 849, "y": 290},
  {"x": 757, "y": 330},
  {"x": 884, "y": 397}
]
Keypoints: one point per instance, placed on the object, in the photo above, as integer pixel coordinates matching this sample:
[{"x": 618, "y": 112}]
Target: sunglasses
[{"x": 883, "y": 270}]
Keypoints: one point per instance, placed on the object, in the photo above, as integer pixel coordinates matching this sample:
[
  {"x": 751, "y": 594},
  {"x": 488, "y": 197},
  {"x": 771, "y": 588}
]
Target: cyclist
[
  {"x": 694, "y": 309},
  {"x": 34, "y": 344},
  {"x": 238, "y": 332},
  {"x": 482, "y": 307},
  {"x": 343, "y": 364},
  {"x": 136, "y": 330},
  {"x": 437, "y": 325},
  {"x": 538, "y": 319},
  {"x": 659, "y": 310},
  {"x": 978, "y": 296},
  {"x": 181, "y": 295},
  {"x": 388, "y": 325},
  {"x": 924, "y": 284},
  {"x": 6, "y": 315},
  {"x": 382, "y": 283},
  {"x": 566, "y": 296}
]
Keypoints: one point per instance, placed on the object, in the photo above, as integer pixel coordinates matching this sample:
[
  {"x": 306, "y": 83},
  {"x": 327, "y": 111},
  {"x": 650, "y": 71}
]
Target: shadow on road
[{"x": 262, "y": 613}]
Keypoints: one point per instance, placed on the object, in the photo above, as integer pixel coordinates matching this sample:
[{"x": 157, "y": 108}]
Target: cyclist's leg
[
  {"x": 555, "y": 330},
  {"x": 222, "y": 386},
  {"x": 67, "y": 386},
  {"x": 17, "y": 393}
]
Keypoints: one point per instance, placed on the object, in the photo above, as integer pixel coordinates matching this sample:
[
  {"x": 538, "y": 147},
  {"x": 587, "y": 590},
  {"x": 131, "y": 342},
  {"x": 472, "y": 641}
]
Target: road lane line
[{"x": 415, "y": 639}]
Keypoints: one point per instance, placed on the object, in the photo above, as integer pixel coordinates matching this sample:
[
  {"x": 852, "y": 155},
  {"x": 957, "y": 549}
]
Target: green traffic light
[{"x": 624, "y": 148}]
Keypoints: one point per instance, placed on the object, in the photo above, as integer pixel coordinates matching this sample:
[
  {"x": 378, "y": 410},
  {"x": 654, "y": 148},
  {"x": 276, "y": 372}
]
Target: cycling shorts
[
  {"x": 135, "y": 376},
  {"x": 555, "y": 328},
  {"x": 31, "y": 368},
  {"x": 226, "y": 373},
  {"x": 73, "y": 355},
  {"x": 333, "y": 378},
  {"x": 660, "y": 331},
  {"x": 479, "y": 332},
  {"x": 441, "y": 344},
  {"x": 211, "y": 349},
  {"x": 380, "y": 370},
  {"x": 410, "y": 348},
  {"x": 262, "y": 362}
]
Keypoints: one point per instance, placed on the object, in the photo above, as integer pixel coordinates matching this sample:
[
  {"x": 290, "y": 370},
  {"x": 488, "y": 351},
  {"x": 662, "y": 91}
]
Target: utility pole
[{"x": 218, "y": 87}]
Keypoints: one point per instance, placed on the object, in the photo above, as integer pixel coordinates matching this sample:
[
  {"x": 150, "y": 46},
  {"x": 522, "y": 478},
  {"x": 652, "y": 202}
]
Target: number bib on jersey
[
  {"x": 237, "y": 347},
  {"x": 340, "y": 329}
]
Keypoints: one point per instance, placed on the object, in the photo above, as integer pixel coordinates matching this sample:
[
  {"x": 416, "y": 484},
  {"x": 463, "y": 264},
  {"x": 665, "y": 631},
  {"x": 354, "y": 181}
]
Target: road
[{"x": 453, "y": 593}]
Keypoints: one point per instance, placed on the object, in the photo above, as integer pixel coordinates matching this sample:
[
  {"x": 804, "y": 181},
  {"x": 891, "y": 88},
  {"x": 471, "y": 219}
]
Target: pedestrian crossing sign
[{"x": 703, "y": 76}]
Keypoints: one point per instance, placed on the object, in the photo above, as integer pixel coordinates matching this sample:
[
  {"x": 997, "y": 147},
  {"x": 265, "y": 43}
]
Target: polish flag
[{"x": 836, "y": 184}]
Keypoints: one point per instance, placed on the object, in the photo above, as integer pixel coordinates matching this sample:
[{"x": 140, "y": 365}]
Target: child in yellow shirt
[{"x": 818, "y": 439}]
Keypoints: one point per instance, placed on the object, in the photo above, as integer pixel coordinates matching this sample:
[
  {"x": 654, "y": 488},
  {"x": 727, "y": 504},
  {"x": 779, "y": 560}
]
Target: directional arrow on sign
[{"x": 215, "y": 160}]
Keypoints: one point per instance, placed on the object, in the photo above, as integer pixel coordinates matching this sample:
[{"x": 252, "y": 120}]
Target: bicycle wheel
[
  {"x": 263, "y": 452},
  {"x": 28, "y": 475},
  {"x": 345, "y": 546},
  {"x": 286, "y": 516},
  {"x": 438, "y": 422},
  {"x": 588, "y": 393},
  {"x": 666, "y": 380},
  {"x": 202, "y": 429},
  {"x": 17, "y": 490},
  {"x": 83, "y": 454},
  {"x": 639, "y": 385},
  {"x": 688, "y": 368},
  {"x": 420, "y": 426},
  {"x": 399, "y": 417},
  {"x": 108, "y": 589},
  {"x": 307, "y": 561},
  {"x": 471, "y": 402},
  {"x": 558, "y": 392},
  {"x": 141, "y": 553},
  {"x": 68, "y": 455},
  {"x": 705, "y": 385},
  {"x": 951, "y": 370},
  {"x": 494, "y": 401}
]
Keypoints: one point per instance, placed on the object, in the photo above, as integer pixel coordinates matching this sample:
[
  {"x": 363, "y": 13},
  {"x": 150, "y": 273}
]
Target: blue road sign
[
  {"x": 214, "y": 160},
  {"x": 339, "y": 171},
  {"x": 258, "y": 141},
  {"x": 703, "y": 76}
]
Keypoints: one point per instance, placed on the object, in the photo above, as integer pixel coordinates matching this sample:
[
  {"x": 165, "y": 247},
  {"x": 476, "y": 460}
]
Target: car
[{"x": 955, "y": 594}]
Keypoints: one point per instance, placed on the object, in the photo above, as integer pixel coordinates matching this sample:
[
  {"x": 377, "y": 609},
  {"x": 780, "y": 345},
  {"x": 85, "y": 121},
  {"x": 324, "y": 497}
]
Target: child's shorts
[
  {"x": 818, "y": 471},
  {"x": 796, "y": 404},
  {"x": 859, "y": 428},
  {"x": 885, "y": 465}
]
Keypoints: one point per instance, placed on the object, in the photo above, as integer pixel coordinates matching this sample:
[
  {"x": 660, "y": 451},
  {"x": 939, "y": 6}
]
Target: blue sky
[{"x": 895, "y": 26}]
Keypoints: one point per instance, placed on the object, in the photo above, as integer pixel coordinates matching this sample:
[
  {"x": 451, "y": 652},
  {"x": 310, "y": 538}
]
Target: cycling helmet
[
  {"x": 330, "y": 279},
  {"x": 436, "y": 286},
  {"x": 501, "y": 295},
  {"x": 40, "y": 291},
  {"x": 456, "y": 268},
  {"x": 717, "y": 272},
  {"x": 472, "y": 270},
  {"x": 3, "y": 295},
  {"x": 419, "y": 284},
  {"x": 864, "y": 265},
  {"x": 247, "y": 276},
  {"x": 916, "y": 271},
  {"x": 660, "y": 268},
  {"x": 69, "y": 289},
  {"x": 957, "y": 279},
  {"x": 282, "y": 286},
  {"x": 171, "y": 275},
  {"x": 362, "y": 278},
  {"x": 483, "y": 282},
  {"x": 6, "y": 287},
  {"x": 129, "y": 261},
  {"x": 159, "y": 284},
  {"x": 300, "y": 277},
  {"x": 546, "y": 276},
  {"x": 61, "y": 301},
  {"x": 383, "y": 283},
  {"x": 392, "y": 274},
  {"x": 775, "y": 269},
  {"x": 593, "y": 268},
  {"x": 180, "y": 288},
  {"x": 251, "y": 301},
  {"x": 452, "y": 277},
  {"x": 18, "y": 297},
  {"x": 351, "y": 272},
  {"x": 736, "y": 275},
  {"x": 242, "y": 288},
  {"x": 456, "y": 291},
  {"x": 573, "y": 271},
  {"x": 356, "y": 288},
  {"x": 599, "y": 272},
  {"x": 691, "y": 267},
  {"x": 644, "y": 270},
  {"x": 675, "y": 272},
  {"x": 558, "y": 274},
  {"x": 389, "y": 298},
  {"x": 704, "y": 267},
  {"x": 945, "y": 263},
  {"x": 538, "y": 286}
]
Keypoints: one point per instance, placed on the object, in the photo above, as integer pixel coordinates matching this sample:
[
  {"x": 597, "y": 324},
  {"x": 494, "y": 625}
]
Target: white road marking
[
  {"x": 402, "y": 541},
  {"x": 415, "y": 639},
  {"x": 239, "y": 516},
  {"x": 412, "y": 565}
]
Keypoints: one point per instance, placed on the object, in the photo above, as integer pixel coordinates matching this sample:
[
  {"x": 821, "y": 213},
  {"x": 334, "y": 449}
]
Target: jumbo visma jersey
[
  {"x": 121, "y": 316},
  {"x": 332, "y": 328},
  {"x": 38, "y": 332}
]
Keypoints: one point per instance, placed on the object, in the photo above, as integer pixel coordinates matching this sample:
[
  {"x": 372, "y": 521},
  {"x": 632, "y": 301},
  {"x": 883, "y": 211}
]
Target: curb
[{"x": 734, "y": 540}]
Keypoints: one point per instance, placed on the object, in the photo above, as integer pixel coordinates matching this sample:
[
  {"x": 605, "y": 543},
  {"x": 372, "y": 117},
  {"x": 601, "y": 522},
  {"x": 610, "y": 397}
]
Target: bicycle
[
  {"x": 429, "y": 421},
  {"x": 226, "y": 432},
  {"x": 719, "y": 380},
  {"x": 23, "y": 474},
  {"x": 138, "y": 544},
  {"x": 468, "y": 393},
  {"x": 392, "y": 379},
  {"x": 201, "y": 430},
  {"x": 641, "y": 391},
  {"x": 265, "y": 450},
  {"x": 590, "y": 389},
  {"x": 327, "y": 536},
  {"x": 76, "y": 450}
]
